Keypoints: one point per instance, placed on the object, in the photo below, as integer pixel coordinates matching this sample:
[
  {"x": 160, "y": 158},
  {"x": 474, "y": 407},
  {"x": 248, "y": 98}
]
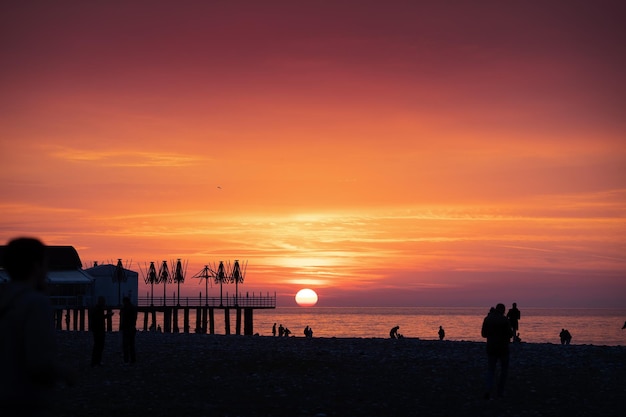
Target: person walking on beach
[
  {"x": 442, "y": 333},
  {"x": 128, "y": 327},
  {"x": 514, "y": 317},
  {"x": 97, "y": 327},
  {"x": 28, "y": 344},
  {"x": 498, "y": 332}
]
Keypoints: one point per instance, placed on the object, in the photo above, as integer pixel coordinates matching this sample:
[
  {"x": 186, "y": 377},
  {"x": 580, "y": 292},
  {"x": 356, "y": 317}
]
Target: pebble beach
[{"x": 217, "y": 375}]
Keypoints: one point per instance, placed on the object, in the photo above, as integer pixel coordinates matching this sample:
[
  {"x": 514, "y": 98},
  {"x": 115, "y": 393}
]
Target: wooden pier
[{"x": 171, "y": 308}]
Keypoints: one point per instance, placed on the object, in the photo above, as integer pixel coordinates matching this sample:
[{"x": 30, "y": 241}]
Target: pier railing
[{"x": 229, "y": 301}]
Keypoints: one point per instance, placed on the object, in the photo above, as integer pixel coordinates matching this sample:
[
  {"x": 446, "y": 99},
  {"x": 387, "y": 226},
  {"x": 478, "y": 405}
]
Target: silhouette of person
[
  {"x": 497, "y": 330},
  {"x": 281, "y": 330},
  {"x": 308, "y": 332},
  {"x": 97, "y": 327},
  {"x": 128, "y": 323},
  {"x": 393, "y": 333},
  {"x": 28, "y": 361},
  {"x": 442, "y": 333},
  {"x": 565, "y": 336},
  {"x": 514, "y": 316},
  {"x": 274, "y": 330},
  {"x": 287, "y": 332}
]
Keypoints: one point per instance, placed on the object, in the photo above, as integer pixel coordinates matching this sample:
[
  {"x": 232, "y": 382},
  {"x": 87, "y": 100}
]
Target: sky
[{"x": 392, "y": 153}]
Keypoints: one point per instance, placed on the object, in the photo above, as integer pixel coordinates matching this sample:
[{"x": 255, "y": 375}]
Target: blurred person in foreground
[
  {"x": 28, "y": 353},
  {"x": 498, "y": 332}
]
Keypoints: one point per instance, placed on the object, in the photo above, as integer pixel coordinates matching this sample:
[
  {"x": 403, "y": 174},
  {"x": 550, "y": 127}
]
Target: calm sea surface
[{"x": 587, "y": 326}]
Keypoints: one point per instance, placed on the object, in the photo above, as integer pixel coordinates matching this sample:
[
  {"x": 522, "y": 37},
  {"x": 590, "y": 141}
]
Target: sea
[{"x": 537, "y": 325}]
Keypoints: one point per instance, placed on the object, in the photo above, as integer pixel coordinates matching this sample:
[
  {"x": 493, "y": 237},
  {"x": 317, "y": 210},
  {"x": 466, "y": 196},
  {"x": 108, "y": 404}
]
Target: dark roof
[{"x": 59, "y": 258}]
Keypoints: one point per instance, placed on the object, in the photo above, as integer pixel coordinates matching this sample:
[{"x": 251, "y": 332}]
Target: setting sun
[{"x": 306, "y": 298}]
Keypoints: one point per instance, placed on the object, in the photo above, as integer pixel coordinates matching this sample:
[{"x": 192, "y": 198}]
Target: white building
[{"x": 114, "y": 282}]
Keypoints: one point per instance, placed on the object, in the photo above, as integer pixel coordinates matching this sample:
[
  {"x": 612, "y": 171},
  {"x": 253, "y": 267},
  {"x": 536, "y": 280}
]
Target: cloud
[{"x": 128, "y": 158}]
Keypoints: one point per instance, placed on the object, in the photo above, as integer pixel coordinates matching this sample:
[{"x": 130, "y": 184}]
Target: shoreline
[
  {"x": 232, "y": 375},
  {"x": 356, "y": 338}
]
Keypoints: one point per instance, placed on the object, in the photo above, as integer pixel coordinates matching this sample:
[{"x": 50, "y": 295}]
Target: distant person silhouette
[
  {"x": 274, "y": 330},
  {"x": 97, "y": 326},
  {"x": 566, "y": 337},
  {"x": 442, "y": 333},
  {"x": 287, "y": 332},
  {"x": 514, "y": 316},
  {"x": 28, "y": 350},
  {"x": 497, "y": 330},
  {"x": 393, "y": 333},
  {"x": 128, "y": 327},
  {"x": 308, "y": 332},
  {"x": 281, "y": 330}
]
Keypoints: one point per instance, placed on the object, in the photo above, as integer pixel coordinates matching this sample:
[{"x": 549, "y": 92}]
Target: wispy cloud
[{"x": 128, "y": 158}]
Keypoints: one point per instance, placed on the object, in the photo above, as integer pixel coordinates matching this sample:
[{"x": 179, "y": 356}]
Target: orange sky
[{"x": 381, "y": 153}]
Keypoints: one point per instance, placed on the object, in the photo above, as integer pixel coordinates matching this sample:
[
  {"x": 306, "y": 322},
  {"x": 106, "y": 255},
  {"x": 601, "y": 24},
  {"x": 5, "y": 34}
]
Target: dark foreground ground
[{"x": 203, "y": 375}]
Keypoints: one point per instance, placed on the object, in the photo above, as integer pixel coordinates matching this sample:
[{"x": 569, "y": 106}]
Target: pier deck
[{"x": 171, "y": 306}]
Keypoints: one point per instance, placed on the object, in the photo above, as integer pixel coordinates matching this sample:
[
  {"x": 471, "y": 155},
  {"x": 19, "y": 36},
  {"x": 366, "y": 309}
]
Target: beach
[{"x": 217, "y": 375}]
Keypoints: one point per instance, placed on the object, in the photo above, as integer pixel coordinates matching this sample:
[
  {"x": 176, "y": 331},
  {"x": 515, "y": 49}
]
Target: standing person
[
  {"x": 498, "y": 332},
  {"x": 28, "y": 362},
  {"x": 308, "y": 332},
  {"x": 566, "y": 337},
  {"x": 274, "y": 330},
  {"x": 128, "y": 323},
  {"x": 514, "y": 316},
  {"x": 442, "y": 333},
  {"x": 97, "y": 326}
]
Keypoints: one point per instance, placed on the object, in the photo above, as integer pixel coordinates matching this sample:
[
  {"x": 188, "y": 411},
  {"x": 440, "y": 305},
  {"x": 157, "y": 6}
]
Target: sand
[{"x": 216, "y": 375}]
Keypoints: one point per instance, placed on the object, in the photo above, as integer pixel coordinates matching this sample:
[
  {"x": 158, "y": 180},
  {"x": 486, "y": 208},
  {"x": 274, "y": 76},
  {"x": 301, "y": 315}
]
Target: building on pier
[
  {"x": 114, "y": 282},
  {"x": 68, "y": 284}
]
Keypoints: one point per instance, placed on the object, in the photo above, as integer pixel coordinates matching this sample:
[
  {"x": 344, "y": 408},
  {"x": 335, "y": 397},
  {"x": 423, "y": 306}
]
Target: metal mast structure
[
  {"x": 151, "y": 278},
  {"x": 221, "y": 277},
  {"x": 237, "y": 276},
  {"x": 119, "y": 276},
  {"x": 165, "y": 278},
  {"x": 205, "y": 273},
  {"x": 179, "y": 276}
]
